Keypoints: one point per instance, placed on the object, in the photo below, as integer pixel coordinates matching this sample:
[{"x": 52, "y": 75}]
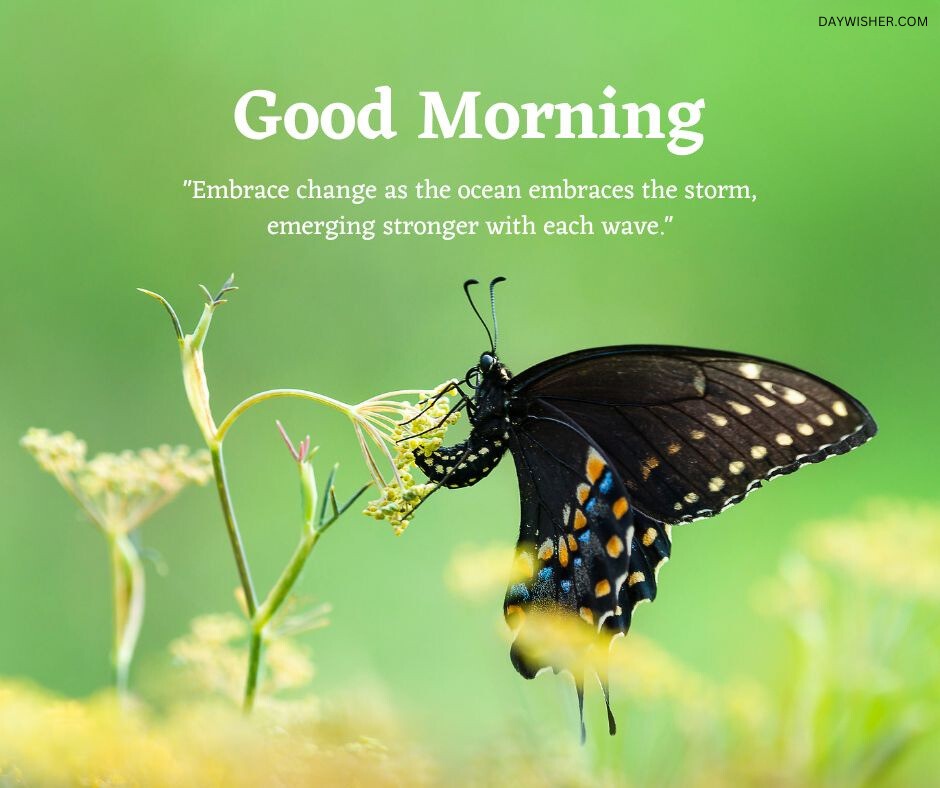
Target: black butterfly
[{"x": 613, "y": 446}]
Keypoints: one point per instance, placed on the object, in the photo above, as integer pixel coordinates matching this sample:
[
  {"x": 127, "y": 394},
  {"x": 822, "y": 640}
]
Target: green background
[{"x": 108, "y": 107}]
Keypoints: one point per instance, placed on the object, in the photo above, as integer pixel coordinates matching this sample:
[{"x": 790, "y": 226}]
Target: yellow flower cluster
[
  {"x": 118, "y": 491},
  {"x": 214, "y": 654},
  {"x": 421, "y": 428},
  {"x": 63, "y": 453},
  {"x": 893, "y": 545},
  {"x": 49, "y": 740}
]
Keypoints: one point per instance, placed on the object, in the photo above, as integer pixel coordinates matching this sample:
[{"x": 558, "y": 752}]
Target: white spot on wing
[{"x": 750, "y": 370}]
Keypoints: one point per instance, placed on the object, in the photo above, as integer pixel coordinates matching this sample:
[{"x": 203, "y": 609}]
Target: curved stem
[
  {"x": 127, "y": 574},
  {"x": 234, "y": 535},
  {"x": 262, "y": 396}
]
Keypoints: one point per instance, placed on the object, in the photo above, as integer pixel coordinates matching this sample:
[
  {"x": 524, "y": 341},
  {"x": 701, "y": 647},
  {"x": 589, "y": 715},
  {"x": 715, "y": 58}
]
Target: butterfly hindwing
[
  {"x": 652, "y": 547},
  {"x": 690, "y": 431},
  {"x": 575, "y": 536}
]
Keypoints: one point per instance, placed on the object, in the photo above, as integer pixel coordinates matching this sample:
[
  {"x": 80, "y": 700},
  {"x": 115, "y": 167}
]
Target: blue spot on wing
[
  {"x": 585, "y": 537},
  {"x": 565, "y": 585},
  {"x": 578, "y": 562},
  {"x": 607, "y": 481},
  {"x": 519, "y": 592},
  {"x": 546, "y": 573},
  {"x": 589, "y": 508}
]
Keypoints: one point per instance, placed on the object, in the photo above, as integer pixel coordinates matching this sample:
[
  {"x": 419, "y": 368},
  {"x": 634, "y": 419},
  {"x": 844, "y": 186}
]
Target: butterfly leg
[
  {"x": 456, "y": 409},
  {"x": 432, "y": 401}
]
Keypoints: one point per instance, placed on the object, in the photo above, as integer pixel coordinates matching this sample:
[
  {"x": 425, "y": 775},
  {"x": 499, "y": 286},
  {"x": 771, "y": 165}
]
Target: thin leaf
[
  {"x": 329, "y": 487},
  {"x": 166, "y": 305}
]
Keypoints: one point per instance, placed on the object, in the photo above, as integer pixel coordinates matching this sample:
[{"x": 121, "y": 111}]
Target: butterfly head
[{"x": 489, "y": 369}]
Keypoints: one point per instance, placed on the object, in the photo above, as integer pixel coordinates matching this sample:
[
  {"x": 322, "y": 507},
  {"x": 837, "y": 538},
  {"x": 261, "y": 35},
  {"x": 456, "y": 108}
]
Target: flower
[
  {"x": 418, "y": 428},
  {"x": 214, "y": 653},
  {"x": 893, "y": 545},
  {"x": 117, "y": 491}
]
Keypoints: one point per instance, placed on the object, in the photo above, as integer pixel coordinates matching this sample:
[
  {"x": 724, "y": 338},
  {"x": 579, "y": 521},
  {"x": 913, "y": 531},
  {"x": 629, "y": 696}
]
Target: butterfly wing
[
  {"x": 573, "y": 557},
  {"x": 575, "y": 535},
  {"x": 692, "y": 432}
]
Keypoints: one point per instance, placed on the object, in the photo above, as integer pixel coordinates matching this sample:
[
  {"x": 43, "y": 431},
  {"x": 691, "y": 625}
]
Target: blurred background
[{"x": 108, "y": 107}]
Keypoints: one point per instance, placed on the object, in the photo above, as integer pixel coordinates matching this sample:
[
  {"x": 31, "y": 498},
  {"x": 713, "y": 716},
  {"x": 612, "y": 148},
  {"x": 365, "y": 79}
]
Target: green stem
[
  {"x": 269, "y": 607},
  {"x": 282, "y": 588},
  {"x": 254, "y": 663},
  {"x": 286, "y": 581},
  {"x": 231, "y": 525},
  {"x": 127, "y": 574},
  {"x": 244, "y": 405}
]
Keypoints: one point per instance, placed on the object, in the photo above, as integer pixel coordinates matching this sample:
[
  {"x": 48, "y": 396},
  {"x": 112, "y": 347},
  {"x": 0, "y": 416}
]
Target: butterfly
[{"x": 615, "y": 445}]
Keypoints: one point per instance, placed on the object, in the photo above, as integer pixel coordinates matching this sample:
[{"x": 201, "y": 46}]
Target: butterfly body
[
  {"x": 464, "y": 464},
  {"x": 612, "y": 447}
]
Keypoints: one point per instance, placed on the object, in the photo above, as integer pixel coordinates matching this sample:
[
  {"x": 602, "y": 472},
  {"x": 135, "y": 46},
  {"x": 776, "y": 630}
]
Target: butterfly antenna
[
  {"x": 466, "y": 289},
  {"x": 493, "y": 284}
]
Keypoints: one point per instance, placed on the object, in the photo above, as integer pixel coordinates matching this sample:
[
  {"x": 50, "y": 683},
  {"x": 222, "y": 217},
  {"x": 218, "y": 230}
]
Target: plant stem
[
  {"x": 254, "y": 663},
  {"x": 231, "y": 525},
  {"x": 127, "y": 574},
  {"x": 197, "y": 393},
  {"x": 269, "y": 607},
  {"x": 286, "y": 581},
  {"x": 279, "y": 592},
  {"x": 244, "y": 405}
]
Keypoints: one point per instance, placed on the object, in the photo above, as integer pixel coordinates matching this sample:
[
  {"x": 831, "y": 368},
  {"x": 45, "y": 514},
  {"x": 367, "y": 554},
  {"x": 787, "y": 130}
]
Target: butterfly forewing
[
  {"x": 575, "y": 535},
  {"x": 691, "y": 432}
]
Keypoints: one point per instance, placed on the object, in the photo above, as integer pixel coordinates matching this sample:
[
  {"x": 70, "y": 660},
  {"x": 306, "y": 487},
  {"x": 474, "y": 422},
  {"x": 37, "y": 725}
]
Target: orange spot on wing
[
  {"x": 587, "y": 615},
  {"x": 649, "y": 465},
  {"x": 614, "y": 546},
  {"x": 620, "y": 507},
  {"x": 515, "y": 617},
  {"x": 562, "y": 552},
  {"x": 602, "y": 588},
  {"x": 595, "y": 466},
  {"x": 572, "y": 543},
  {"x": 584, "y": 491},
  {"x": 579, "y": 520}
]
